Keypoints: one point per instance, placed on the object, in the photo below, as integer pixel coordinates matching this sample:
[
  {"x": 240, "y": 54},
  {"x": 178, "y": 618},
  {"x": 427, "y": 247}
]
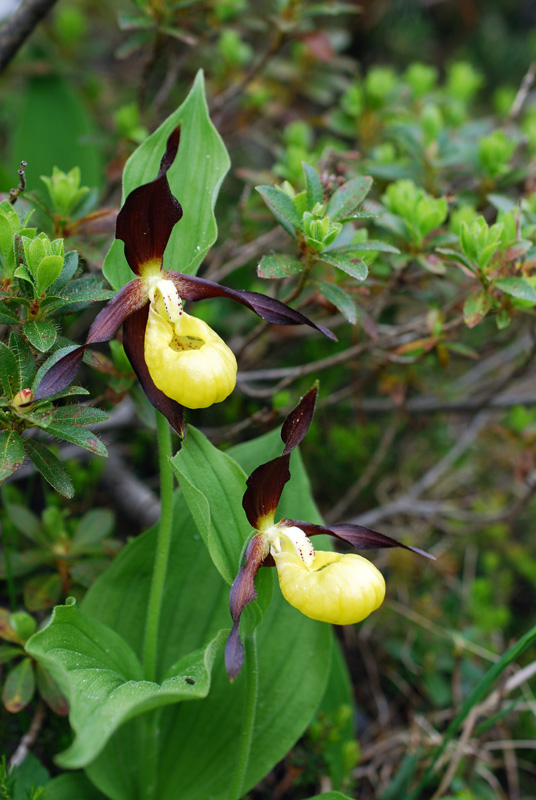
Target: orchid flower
[
  {"x": 331, "y": 587},
  {"x": 179, "y": 360}
]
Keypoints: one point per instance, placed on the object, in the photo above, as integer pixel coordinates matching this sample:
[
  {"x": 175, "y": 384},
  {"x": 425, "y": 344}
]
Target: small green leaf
[
  {"x": 19, "y": 686},
  {"x": 475, "y": 308},
  {"x": 11, "y": 453},
  {"x": 347, "y": 198},
  {"x": 339, "y": 298},
  {"x": 79, "y": 415},
  {"x": 94, "y": 526},
  {"x": 25, "y": 362},
  {"x": 49, "y": 467},
  {"x": 7, "y": 316},
  {"x": 40, "y": 333},
  {"x": 282, "y": 207},
  {"x": 9, "y": 380},
  {"x": 25, "y": 522},
  {"x": 70, "y": 265},
  {"x": 366, "y": 246},
  {"x": 89, "y": 289},
  {"x": 313, "y": 186},
  {"x": 79, "y": 436},
  {"x": 9, "y": 653},
  {"x": 42, "y": 591},
  {"x": 48, "y": 271},
  {"x": 516, "y": 287},
  {"x": 50, "y": 691},
  {"x": 347, "y": 262},
  {"x": 279, "y": 265}
]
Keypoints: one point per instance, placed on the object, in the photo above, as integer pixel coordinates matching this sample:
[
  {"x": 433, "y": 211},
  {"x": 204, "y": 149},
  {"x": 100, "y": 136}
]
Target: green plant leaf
[
  {"x": 11, "y": 453},
  {"x": 50, "y": 691},
  {"x": 339, "y": 298},
  {"x": 282, "y": 208},
  {"x": 25, "y": 522},
  {"x": 102, "y": 678},
  {"x": 279, "y": 265},
  {"x": 25, "y": 362},
  {"x": 475, "y": 308},
  {"x": 70, "y": 265},
  {"x": 94, "y": 526},
  {"x": 366, "y": 246},
  {"x": 516, "y": 287},
  {"x": 9, "y": 653},
  {"x": 195, "y": 178},
  {"x": 85, "y": 290},
  {"x": 42, "y": 591},
  {"x": 8, "y": 371},
  {"x": 19, "y": 686},
  {"x": 70, "y": 786},
  {"x": 50, "y": 468},
  {"x": 347, "y": 262},
  {"x": 47, "y": 272},
  {"x": 205, "y": 472},
  {"x": 40, "y": 333},
  {"x": 346, "y": 199},
  {"x": 76, "y": 435},
  {"x": 79, "y": 415},
  {"x": 7, "y": 316},
  {"x": 313, "y": 186}
]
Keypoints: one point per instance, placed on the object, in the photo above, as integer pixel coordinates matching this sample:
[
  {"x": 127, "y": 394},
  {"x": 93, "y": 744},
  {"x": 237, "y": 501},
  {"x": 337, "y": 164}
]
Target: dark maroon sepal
[
  {"x": 193, "y": 288},
  {"x": 108, "y": 321},
  {"x": 297, "y": 422},
  {"x": 243, "y": 591},
  {"x": 265, "y": 486},
  {"x": 60, "y": 374},
  {"x": 359, "y": 537},
  {"x": 134, "y": 344},
  {"x": 149, "y": 214}
]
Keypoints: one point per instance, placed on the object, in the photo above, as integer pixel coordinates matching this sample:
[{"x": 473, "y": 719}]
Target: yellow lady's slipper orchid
[
  {"x": 330, "y": 587},
  {"x": 179, "y": 360},
  {"x": 186, "y": 359}
]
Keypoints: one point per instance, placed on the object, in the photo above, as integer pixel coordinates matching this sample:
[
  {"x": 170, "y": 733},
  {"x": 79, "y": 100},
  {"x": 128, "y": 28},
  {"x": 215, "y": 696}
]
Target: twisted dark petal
[
  {"x": 359, "y": 537},
  {"x": 61, "y": 374},
  {"x": 298, "y": 421},
  {"x": 134, "y": 344},
  {"x": 264, "y": 488},
  {"x": 190, "y": 287},
  {"x": 129, "y": 299},
  {"x": 149, "y": 214},
  {"x": 108, "y": 320},
  {"x": 243, "y": 592}
]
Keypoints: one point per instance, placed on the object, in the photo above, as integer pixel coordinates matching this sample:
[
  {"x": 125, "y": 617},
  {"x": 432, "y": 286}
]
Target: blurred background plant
[{"x": 392, "y": 149}]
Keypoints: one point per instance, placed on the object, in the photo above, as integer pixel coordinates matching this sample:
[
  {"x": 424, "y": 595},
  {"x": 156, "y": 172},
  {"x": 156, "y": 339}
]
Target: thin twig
[
  {"x": 522, "y": 94},
  {"x": 19, "y": 26},
  {"x": 29, "y": 738},
  {"x": 14, "y": 193}
]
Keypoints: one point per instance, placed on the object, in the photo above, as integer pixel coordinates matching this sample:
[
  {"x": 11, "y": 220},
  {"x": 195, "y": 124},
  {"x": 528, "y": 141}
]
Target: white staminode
[{"x": 291, "y": 540}]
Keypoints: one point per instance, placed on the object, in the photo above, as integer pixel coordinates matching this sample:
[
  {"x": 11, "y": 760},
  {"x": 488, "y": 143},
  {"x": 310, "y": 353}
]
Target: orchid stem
[
  {"x": 162, "y": 548},
  {"x": 250, "y": 710}
]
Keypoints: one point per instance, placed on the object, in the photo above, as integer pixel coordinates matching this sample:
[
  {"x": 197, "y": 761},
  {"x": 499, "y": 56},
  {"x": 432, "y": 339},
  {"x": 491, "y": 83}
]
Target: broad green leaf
[
  {"x": 19, "y": 686},
  {"x": 475, "y": 308},
  {"x": 205, "y": 472},
  {"x": 346, "y": 199},
  {"x": 47, "y": 272},
  {"x": 516, "y": 287},
  {"x": 71, "y": 786},
  {"x": 205, "y": 733},
  {"x": 11, "y": 453},
  {"x": 66, "y": 140},
  {"x": 9, "y": 380},
  {"x": 313, "y": 186},
  {"x": 279, "y": 265},
  {"x": 340, "y": 299},
  {"x": 282, "y": 207},
  {"x": 103, "y": 680},
  {"x": 40, "y": 333},
  {"x": 50, "y": 468},
  {"x": 195, "y": 178},
  {"x": 347, "y": 262}
]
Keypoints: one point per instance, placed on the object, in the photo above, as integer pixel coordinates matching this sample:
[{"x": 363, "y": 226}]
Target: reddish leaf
[{"x": 50, "y": 692}]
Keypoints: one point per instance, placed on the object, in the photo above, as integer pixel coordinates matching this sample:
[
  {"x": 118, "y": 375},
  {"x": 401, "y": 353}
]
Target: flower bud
[{"x": 22, "y": 398}]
